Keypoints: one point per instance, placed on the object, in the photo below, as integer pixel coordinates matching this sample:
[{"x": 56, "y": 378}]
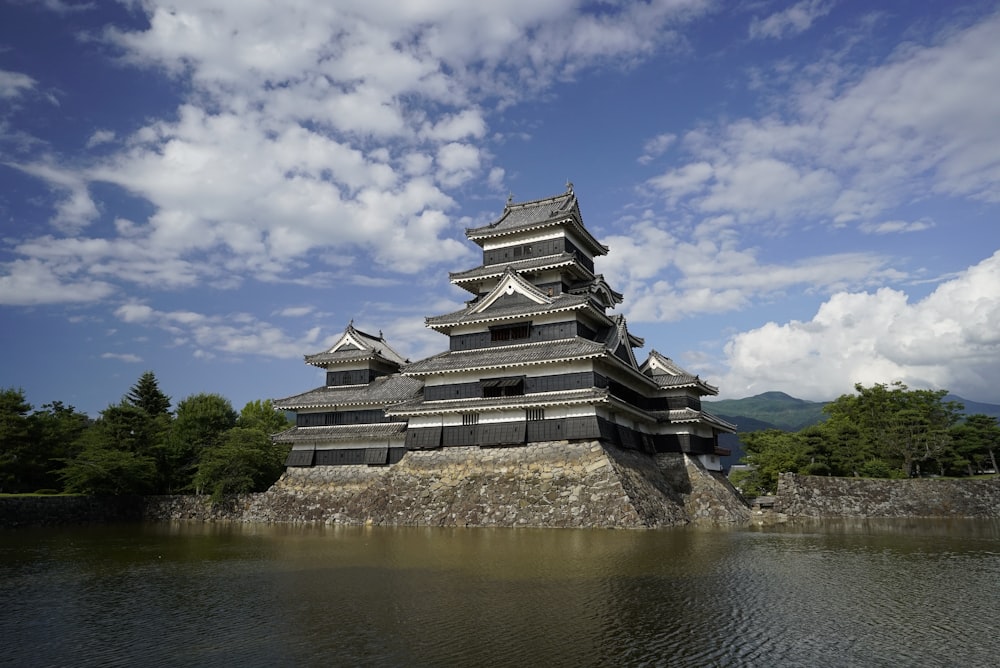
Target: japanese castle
[{"x": 534, "y": 356}]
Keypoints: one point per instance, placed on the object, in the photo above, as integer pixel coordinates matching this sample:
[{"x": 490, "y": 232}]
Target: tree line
[
  {"x": 140, "y": 446},
  {"x": 882, "y": 431}
]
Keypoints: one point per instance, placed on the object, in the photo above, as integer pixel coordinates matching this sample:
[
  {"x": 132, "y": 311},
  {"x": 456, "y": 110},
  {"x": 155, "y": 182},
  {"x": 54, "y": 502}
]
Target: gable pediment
[
  {"x": 348, "y": 341},
  {"x": 511, "y": 285}
]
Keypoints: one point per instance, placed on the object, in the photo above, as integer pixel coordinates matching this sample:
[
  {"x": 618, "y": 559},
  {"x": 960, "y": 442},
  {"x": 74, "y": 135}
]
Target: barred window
[
  {"x": 536, "y": 413},
  {"x": 470, "y": 419},
  {"x": 510, "y": 332}
]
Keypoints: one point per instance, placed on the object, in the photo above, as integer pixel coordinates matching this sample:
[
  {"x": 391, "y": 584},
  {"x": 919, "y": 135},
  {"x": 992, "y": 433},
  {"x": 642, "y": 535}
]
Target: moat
[{"x": 836, "y": 593}]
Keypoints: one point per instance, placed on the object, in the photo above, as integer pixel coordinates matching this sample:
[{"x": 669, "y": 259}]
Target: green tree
[
  {"x": 246, "y": 460},
  {"x": 15, "y": 439},
  {"x": 146, "y": 394},
  {"x": 770, "y": 452},
  {"x": 199, "y": 426},
  {"x": 906, "y": 428},
  {"x": 263, "y": 416},
  {"x": 116, "y": 454},
  {"x": 56, "y": 431},
  {"x": 975, "y": 440}
]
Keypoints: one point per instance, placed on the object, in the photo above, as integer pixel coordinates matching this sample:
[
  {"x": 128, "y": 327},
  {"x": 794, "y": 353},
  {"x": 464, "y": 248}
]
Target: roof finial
[
  {"x": 569, "y": 187},
  {"x": 510, "y": 198}
]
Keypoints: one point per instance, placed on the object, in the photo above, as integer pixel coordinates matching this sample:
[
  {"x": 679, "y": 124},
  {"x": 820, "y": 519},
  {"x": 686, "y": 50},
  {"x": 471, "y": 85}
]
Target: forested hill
[
  {"x": 781, "y": 411},
  {"x": 777, "y": 409}
]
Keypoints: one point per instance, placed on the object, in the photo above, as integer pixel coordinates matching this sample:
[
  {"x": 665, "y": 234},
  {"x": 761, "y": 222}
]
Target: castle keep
[{"x": 538, "y": 375}]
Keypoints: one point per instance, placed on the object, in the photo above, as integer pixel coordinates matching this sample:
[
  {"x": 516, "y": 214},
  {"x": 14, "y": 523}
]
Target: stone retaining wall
[
  {"x": 37, "y": 511},
  {"x": 818, "y": 496},
  {"x": 558, "y": 484}
]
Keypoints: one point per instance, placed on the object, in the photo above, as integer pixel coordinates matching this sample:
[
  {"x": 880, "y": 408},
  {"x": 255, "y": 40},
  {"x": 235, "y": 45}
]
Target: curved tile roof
[
  {"x": 382, "y": 391},
  {"x": 547, "y": 212},
  {"x": 514, "y": 308},
  {"x": 536, "y": 399},
  {"x": 367, "y": 432},
  {"x": 509, "y": 355}
]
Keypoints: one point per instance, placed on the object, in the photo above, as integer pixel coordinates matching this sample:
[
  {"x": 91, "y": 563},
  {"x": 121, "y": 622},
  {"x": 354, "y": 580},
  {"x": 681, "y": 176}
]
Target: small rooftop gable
[
  {"x": 509, "y": 284},
  {"x": 354, "y": 345}
]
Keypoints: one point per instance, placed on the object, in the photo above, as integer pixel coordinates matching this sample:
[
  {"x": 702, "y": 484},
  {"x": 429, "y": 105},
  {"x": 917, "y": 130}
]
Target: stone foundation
[
  {"x": 558, "y": 484},
  {"x": 820, "y": 496}
]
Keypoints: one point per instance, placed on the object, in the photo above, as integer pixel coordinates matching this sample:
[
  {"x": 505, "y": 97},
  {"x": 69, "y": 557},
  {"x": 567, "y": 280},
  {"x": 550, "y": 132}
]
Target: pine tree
[{"x": 146, "y": 394}]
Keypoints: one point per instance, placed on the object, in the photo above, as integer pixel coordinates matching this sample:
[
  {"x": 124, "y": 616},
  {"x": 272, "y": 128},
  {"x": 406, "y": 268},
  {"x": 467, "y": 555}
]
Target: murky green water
[{"x": 838, "y": 594}]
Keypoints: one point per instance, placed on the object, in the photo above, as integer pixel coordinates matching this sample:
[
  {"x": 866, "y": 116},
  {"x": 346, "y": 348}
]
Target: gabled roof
[
  {"x": 618, "y": 338},
  {"x": 505, "y": 356},
  {"x": 691, "y": 415},
  {"x": 512, "y": 298},
  {"x": 381, "y": 392},
  {"x": 667, "y": 374},
  {"x": 599, "y": 290},
  {"x": 356, "y": 346},
  {"x": 538, "y": 214}
]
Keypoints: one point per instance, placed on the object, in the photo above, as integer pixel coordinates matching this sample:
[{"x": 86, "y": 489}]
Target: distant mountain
[
  {"x": 777, "y": 410},
  {"x": 974, "y": 407}
]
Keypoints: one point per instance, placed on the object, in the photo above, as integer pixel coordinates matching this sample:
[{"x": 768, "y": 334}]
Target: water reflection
[{"x": 833, "y": 594}]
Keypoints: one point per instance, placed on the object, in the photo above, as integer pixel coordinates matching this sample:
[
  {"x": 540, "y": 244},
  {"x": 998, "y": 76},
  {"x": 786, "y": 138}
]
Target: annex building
[{"x": 535, "y": 356}]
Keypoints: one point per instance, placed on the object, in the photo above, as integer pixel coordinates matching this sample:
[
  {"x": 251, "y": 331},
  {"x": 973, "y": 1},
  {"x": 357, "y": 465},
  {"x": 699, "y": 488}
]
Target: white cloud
[
  {"x": 319, "y": 133},
  {"x": 29, "y": 282},
  {"x": 75, "y": 208},
  {"x": 121, "y": 357},
  {"x": 14, "y": 84},
  {"x": 847, "y": 146},
  {"x": 668, "y": 278},
  {"x": 656, "y": 147},
  {"x": 895, "y": 226},
  {"x": 212, "y": 335},
  {"x": 296, "y": 311},
  {"x": 100, "y": 137},
  {"x": 947, "y": 340},
  {"x": 791, "y": 21}
]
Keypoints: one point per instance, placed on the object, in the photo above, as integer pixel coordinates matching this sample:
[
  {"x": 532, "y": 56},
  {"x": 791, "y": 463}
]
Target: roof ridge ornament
[{"x": 569, "y": 187}]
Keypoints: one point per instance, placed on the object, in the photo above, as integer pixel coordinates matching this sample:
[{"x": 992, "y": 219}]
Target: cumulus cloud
[
  {"x": 209, "y": 335},
  {"x": 74, "y": 207},
  {"x": 947, "y": 340},
  {"x": 669, "y": 277},
  {"x": 31, "y": 282},
  {"x": 317, "y": 134},
  {"x": 847, "y": 144}
]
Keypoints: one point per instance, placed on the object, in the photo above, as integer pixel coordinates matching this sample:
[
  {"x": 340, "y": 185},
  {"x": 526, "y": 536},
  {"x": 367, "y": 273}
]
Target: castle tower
[{"x": 533, "y": 356}]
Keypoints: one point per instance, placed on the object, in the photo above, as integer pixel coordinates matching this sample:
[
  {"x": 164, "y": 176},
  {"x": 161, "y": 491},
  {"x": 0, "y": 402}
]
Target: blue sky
[{"x": 797, "y": 196}]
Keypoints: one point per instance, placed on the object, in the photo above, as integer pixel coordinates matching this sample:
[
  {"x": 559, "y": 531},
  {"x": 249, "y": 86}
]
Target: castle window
[
  {"x": 510, "y": 332},
  {"x": 535, "y": 413},
  {"x": 503, "y": 387},
  {"x": 469, "y": 419}
]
